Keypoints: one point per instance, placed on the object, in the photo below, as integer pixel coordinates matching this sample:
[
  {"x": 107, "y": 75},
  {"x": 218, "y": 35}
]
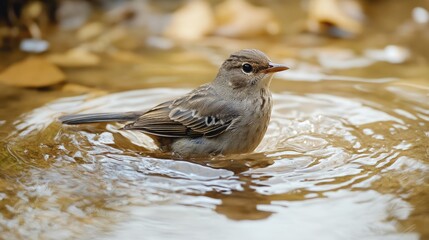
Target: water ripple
[{"x": 320, "y": 161}]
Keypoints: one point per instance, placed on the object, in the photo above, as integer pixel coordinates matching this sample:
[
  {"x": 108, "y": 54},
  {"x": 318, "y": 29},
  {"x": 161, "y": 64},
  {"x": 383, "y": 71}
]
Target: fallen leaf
[
  {"x": 238, "y": 18},
  {"x": 191, "y": 22},
  {"x": 90, "y": 30},
  {"x": 339, "y": 18},
  {"x": 77, "y": 57},
  {"x": 32, "y": 72}
]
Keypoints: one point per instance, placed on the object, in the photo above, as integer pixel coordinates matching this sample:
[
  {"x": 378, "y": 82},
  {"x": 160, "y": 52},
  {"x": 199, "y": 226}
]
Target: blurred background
[
  {"x": 108, "y": 45},
  {"x": 82, "y": 40},
  {"x": 346, "y": 154}
]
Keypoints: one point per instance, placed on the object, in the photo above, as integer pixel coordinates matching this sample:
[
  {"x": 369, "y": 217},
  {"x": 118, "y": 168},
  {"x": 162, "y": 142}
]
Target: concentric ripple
[{"x": 329, "y": 166}]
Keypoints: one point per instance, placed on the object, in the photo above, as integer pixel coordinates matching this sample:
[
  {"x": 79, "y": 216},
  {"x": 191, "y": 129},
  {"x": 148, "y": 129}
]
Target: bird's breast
[{"x": 249, "y": 133}]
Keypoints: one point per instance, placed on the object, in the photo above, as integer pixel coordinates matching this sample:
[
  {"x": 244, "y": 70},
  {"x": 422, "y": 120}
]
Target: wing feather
[{"x": 200, "y": 113}]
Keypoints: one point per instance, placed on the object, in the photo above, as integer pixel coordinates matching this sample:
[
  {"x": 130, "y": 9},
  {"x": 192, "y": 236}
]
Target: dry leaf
[
  {"x": 238, "y": 18},
  {"x": 90, "y": 30},
  {"x": 191, "y": 22},
  {"x": 77, "y": 57},
  {"x": 345, "y": 15},
  {"x": 32, "y": 72}
]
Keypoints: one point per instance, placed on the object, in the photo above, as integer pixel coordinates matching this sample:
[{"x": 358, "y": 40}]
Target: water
[
  {"x": 343, "y": 160},
  {"x": 346, "y": 155}
]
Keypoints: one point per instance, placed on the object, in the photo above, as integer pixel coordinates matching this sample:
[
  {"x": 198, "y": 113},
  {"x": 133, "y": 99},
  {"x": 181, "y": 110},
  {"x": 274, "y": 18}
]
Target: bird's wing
[{"x": 200, "y": 113}]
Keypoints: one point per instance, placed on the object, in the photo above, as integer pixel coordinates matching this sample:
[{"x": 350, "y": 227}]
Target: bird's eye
[{"x": 247, "y": 68}]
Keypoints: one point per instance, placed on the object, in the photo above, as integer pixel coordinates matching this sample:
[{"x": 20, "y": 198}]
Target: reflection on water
[{"x": 331, "y": 166}]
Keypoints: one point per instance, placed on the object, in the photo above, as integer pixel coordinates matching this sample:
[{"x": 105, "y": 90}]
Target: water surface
[{"x": 345, "y": 158}]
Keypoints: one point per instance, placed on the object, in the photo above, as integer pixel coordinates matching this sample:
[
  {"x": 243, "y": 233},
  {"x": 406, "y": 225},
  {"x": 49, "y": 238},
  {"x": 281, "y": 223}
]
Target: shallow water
[
  {"x": 348, "y": 159},
  {"x": 346, "y": 155}
]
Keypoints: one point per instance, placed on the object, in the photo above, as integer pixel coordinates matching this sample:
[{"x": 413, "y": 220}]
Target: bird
[{"x": 228, "y": 115}]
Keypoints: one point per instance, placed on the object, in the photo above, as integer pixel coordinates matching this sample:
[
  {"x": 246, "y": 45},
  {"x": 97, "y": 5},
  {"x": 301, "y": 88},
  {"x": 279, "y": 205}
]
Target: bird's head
[{"x": 248, "y": 68}]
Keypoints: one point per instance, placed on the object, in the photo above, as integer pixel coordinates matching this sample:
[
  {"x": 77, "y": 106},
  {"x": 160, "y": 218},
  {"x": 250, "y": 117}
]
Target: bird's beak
[{"x": 274, "y": 67}]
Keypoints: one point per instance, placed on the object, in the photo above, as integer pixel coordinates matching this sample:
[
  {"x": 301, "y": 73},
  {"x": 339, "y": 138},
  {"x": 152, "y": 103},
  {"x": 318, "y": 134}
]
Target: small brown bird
[{"x": 229, "y": 115}]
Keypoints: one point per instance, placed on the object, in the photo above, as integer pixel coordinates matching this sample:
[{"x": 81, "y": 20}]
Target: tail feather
[{"x": 99, "y": 117}]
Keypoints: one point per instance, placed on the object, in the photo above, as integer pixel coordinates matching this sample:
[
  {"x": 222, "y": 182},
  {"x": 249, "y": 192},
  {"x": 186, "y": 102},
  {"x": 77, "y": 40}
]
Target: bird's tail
[{"x": 99, "y": 117}]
